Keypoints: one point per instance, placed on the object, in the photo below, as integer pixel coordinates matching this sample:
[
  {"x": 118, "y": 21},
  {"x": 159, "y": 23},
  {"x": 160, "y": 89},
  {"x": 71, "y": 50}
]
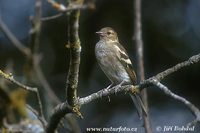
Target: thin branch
[
  {"x": 52, "y": 17},
  {"x": 68, "y": 9},
  {"x": 29, "y": 52},
  {"x": 146, "y": 83},
  {"x": 104, "y": 93},
  {"x": 192, "y": 60},
  {"x": 21, "y": 47},
  {"x": 36, "y": 27},
  {"x": 192, "y": 108},
  {"x": 140, "y": 60},
  {"x": 74, "y": 5},
  {"x": 35, "y": 60},
  {"x": 22, "y": 127},
  {"x": 44, "y": 82},
  {"x": 35, "y": 112},
  {"x": 116, "y": 89},
  {"x": 10, "y": 78}
]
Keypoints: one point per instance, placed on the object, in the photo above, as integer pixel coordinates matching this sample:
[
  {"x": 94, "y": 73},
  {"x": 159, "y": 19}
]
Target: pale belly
[{"x": 112, "y": 67}]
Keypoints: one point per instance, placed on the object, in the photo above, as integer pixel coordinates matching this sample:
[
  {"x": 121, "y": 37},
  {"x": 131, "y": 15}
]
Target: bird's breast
[{"x": 110, "y": 64}]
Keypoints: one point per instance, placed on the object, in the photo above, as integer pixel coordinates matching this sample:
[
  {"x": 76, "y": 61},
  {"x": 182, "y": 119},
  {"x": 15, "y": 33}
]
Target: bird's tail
[{"x": 139, "y": 104}]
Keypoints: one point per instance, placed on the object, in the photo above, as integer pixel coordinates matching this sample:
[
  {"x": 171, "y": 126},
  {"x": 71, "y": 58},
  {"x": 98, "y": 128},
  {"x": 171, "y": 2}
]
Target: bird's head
[{"x": 108, "y": 34}]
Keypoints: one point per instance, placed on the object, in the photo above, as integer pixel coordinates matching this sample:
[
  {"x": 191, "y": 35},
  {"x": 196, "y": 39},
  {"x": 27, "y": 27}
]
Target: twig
[
  {"x": 140, "y": 60},
  {"x": 59, "y": 7},
  {"x": 10, "y": 78},
  {"x": 74, "y": 5},
  {"x": 25, "y": 50},
  {"x": 69, "y": 8},
  {"x": 36, "y": 27},
  {"x": 35, "y": 41},
  {"x": 192, "y": 108},
  {"x": 44, "y": 82},
  {"x": 23, "y": 127},
  {"x": 52, "y": 17},
  {"x": 192, "y": 60},
  {"x": 21, "y": 47},
  {"x": 35, "y": 112}
]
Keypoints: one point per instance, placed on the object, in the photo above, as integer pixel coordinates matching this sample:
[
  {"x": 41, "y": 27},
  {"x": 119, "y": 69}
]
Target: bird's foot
[
  {"x": 110, "y": 86},
  {"x": 105, "y": 89},
  {"x": 134, "y": 90},
  {"x": 76, "y": 110},
  {"x": 121, "y": 83},
  {"x": 118, "y": 86}
]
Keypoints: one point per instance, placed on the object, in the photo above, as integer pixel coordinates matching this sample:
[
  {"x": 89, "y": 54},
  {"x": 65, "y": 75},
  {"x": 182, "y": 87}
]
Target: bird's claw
[
  {"x": 109, "y": 87},
  {"x": 118, "y": 86},
  {"x": 134, "y": 90}
]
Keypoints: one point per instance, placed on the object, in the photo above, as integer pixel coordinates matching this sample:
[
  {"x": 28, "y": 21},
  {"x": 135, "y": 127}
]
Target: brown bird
[{"x": 116, "y": 64}]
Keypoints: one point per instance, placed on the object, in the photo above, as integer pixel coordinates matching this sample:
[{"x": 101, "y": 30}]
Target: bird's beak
[{"x": 100, "y": 33}]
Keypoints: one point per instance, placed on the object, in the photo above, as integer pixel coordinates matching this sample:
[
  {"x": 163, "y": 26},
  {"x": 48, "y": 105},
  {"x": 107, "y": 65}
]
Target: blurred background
[{"x": 171, "y": 34}]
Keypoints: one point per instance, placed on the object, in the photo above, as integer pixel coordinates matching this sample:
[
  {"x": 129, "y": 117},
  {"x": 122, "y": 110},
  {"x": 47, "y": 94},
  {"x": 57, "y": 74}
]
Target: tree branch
[
  {"x": 192, "y": 108},
  {"x": 192, "y": 60},
  {"x": 64, "y": 10},
  {"x": 72, "y": 78},
  {"x": 58, "y": 113},
  {"x": 10, "y": 78},
  {"x": 73, "y": 6},
  {"x": 75, "y": 50},
  {"x": 34, "y": 60},
  {"x": 21, "y": 47},
  {"x": 35, "y": 112},
  {"x": 144, "y": 84},
  {"x": 140, "y": 60}
]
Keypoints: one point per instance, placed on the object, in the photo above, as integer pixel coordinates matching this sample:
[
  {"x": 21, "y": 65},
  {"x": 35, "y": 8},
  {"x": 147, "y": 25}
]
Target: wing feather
[{"x": 126, "y": 62}]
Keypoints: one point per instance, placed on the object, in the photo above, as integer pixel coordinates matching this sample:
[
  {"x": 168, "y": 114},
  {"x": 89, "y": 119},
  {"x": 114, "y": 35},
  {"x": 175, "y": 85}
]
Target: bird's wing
[{"x": 125, "y": 60}]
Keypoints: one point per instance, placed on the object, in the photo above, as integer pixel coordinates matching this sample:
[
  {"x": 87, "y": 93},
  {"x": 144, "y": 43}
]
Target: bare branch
[
  {"x": 10, "y": 78},
  {"x": 72, "y": 78},
  {"x": 65, "y": 10},
  {"x": 75, "y": 50},
  {"x": 21, "y": 47},
  {"x": 192, "y": 60},
  {"x": 140, "y": 60},
  {"x": 23, "y": 127},
  {"x": 58, "y": 113},
  {"x": 35, "y": 112},
  {"x": 104, "y": 93},
  {"x": 72, "y": 6},
  {"x": 116, "y": 89},
  {"x": 52, "y": 17},
  {"x": 34, "y": 59},
  {"x": 36, "y": 27},
  {"x": 192, "y": 108},
  {"x": 44, "y": 82}
]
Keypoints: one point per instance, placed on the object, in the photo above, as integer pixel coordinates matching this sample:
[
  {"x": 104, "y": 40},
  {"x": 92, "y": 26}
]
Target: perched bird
[{"x": 115, "y": 63}]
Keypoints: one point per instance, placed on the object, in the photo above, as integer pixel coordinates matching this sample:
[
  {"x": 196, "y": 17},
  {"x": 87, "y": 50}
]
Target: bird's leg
[
  {"x": 107, "y": 88},
  {"x": 110, "y": 86},
  {"x": 118, "y": 86}
]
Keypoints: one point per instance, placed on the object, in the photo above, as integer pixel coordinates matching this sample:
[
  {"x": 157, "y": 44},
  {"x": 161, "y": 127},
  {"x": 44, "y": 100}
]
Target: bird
[{"x": 116, "y": 64}]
